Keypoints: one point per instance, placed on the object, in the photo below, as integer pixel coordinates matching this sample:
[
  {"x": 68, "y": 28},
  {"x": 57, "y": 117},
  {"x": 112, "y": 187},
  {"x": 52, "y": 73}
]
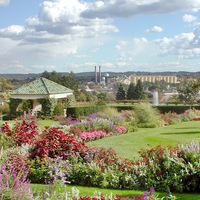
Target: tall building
[{"x": 153, "y": 78}]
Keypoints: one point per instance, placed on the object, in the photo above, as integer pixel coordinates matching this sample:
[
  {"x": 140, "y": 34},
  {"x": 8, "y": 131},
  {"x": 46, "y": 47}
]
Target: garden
[{"x": 132, "y": 154}]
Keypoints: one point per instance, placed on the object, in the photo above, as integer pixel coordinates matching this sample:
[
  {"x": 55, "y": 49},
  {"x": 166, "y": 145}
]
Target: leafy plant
[
  {"x": 54, "y": 142},
  {"x": 38, "y": 170},
  {"x": 21, "y": 133},
  {"x": 14, "y": 185}
]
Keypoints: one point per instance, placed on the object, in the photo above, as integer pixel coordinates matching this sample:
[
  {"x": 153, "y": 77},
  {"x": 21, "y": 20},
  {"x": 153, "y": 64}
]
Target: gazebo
[{"x": 41, "y": 88}]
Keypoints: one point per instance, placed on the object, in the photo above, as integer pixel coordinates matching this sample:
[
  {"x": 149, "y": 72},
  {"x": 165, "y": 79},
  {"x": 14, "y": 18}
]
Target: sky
[{"x": 118, "y": 35}]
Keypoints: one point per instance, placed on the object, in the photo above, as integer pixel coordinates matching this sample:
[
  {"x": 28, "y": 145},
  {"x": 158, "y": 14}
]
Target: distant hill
[{"x": 90, "y": 75}]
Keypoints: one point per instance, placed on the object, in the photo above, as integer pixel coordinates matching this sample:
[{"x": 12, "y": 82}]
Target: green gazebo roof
[{"x": 41, "y": 86}]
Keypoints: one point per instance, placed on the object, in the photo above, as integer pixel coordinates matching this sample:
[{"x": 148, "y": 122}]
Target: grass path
[
  {"x": 129, "y": 144},
  {"x": 94, "y": 191}
]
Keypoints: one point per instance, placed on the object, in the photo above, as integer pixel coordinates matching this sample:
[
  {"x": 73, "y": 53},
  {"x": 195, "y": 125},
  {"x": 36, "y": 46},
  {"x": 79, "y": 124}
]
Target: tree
[
  {"x": 69, "y": 81},
  {"x": 188, "y": 89},
  {"x": 130, "y": 92},
  {"x": 139, "y": 91},
  {"x": 102, "y": 96},
  {"x": 121, "y": 95},
  {"x": 5, "y": 86}
]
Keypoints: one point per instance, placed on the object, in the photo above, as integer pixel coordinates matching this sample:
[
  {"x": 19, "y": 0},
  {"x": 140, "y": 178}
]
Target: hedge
[
  {"x": 75, "y": 112},
  {"x": 86, "y": 110},
  {"x": 175, "y": 108},
  {"x": 162, "y": 108}
]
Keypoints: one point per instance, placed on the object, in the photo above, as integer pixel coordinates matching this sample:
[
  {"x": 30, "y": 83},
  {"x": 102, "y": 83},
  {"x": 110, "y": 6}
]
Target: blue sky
[{"x": 118, "y": 35}]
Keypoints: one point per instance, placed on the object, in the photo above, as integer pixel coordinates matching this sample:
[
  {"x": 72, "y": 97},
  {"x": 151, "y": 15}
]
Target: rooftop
[{"x": 41, "y": 86}]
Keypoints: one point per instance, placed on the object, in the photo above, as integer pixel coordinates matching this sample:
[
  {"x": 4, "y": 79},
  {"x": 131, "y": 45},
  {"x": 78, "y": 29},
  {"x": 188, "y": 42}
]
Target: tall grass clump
[
  {"x": 111, "y": 113},
  {"x": 147, "y": 116},
  {"x": 14, "y": 185}
]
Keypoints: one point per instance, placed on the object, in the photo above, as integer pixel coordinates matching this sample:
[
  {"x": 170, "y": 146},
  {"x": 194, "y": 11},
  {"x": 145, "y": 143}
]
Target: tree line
[{"x": 134, "y": 92}]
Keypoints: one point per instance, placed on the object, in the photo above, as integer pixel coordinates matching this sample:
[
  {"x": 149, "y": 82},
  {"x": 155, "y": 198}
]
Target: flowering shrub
[
  {"x": 58, "y": 169},
  {"x": 21, "y": 133},
  {"x": 112, "y": 114},
  {"x": 196, "y": 119},
  {"x": 87, "y": 136},
  {"x": 16, "y": 161},
  {"x": 103, "y": 157},
  {"x": 168, "y": 117},
  {"x": 75, "y": 131},
  {"x": 128, "y": 115},
  {"x": 163, "y": 168},
  {"x": 173, "y": 118},
  {"x": 169, "y": 168},
  {"x": 54, "y": 142},
  {"x": 6, "y": 129},
  {"x": 67, "y": 121},
  {"x": 14, "y": 186},
  {"x": 25, "y": 132},
  {"x": 120, "y": 129},
  {"x": 103, "y": 124}
]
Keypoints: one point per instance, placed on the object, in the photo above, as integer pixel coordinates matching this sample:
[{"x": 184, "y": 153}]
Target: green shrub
[
  {"x": 146, "y": 115},
  {"x": 38, "y": 170},
  {"x": 131, "y": 126},
  {"x": 175, "y": 108},
  {"x": 4, "y": 108},
  {"x": 13, "y": 104},
  {"x": 100, "y": 102},
  {"x": 5, "y": 141},
  {"x": 47, "y": 104},
  {"x": 165, "y": 168},
  {"x": 58, "y": 109}
]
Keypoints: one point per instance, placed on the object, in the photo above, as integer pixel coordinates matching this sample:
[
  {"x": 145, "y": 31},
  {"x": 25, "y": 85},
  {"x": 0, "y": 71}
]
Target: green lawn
[
  {"x": 91, "y": 191},
  {"x": 129, "y": 144},
  {"x": 41, "y": 123}
]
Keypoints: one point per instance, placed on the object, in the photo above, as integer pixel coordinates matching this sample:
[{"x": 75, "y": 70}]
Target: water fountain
[{"x": 155, "y": 98}]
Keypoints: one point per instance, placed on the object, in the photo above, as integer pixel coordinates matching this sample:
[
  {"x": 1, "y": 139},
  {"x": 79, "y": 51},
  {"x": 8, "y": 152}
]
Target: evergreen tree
[
  {"x": 121, "y": 95},
  {"x": 139, "y": 91},
  {"x": 130, "y": 92}
]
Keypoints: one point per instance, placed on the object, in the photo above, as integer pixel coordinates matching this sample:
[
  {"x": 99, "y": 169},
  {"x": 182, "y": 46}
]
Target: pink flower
[
  {"x": 92, "y": 135},
  {"x": 120, "y": 129}
]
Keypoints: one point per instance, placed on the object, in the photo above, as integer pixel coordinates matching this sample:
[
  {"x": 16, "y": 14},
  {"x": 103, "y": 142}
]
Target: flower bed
[{"x": 71, "y": 160}]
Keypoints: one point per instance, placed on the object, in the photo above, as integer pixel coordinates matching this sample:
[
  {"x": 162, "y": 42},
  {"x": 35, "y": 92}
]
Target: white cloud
[
  {"x": 185, "y": 45},
  {"x": 121, "y": 8},
  {"x": 4, "y": 2},
  {"x": 189, "y": 18},
  {"x": 80, "y": 56},
  {"x": 166, "y": 66},
  {"x": 132, "y": 48},
  {"x": 155, "y": 29},
  {"x": 12, "y": 66},
  {"x": 58, "y": 22},
  {"x": 123, "y": 64},
  {"x": 44, "y": 67},
  {"x": 57, "y": 30},
  {"x": 108, "y": 65}
]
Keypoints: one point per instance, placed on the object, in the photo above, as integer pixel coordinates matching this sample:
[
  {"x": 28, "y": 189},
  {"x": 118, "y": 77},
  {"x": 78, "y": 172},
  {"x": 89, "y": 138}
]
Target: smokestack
[
  {"x": 100, "y": 75},
  {"x": 95, "y": 74}
]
